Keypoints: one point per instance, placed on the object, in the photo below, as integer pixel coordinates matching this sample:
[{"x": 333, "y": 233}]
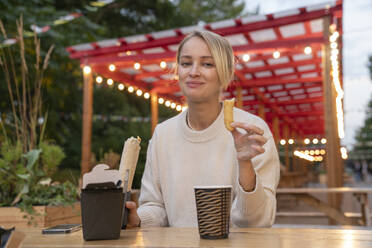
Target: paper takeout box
[{"x": 102, "y": 211}]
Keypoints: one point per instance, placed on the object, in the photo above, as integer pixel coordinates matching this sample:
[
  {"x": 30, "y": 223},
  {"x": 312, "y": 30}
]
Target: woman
[{"x": 194, "y": 148}]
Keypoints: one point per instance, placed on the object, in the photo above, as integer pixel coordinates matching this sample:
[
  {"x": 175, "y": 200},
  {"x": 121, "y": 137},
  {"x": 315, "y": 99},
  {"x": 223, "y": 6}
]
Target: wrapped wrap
[{"x": 129, "y": 158}]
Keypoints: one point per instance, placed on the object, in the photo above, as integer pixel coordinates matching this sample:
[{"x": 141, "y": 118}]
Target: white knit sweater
[{"x": 179, "y": 158}]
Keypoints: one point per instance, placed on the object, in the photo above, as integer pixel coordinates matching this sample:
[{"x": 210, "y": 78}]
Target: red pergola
[{"x": 295, "y": 92}]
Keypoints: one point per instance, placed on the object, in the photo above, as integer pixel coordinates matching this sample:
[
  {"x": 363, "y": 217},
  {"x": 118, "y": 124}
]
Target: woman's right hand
[{"x": 133, "y": 218}]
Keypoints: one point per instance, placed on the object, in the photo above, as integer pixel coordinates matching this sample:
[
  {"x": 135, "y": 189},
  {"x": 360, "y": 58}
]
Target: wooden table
[
  {"x": 189, "y": 237},
  {"x": 361, "y": 194}
]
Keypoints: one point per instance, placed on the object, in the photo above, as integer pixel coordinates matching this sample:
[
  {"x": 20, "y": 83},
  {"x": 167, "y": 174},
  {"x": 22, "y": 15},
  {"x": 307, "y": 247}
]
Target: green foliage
[
  {"x": 363, "y": 147},
  {"x": 25, "y": 179}
]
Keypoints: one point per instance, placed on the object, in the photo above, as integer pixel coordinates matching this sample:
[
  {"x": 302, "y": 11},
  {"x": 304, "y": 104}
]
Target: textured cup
[{"x": 213, "y": 210}]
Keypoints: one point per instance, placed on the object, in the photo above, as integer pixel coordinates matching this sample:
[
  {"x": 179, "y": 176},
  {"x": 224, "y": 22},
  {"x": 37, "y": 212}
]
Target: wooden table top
[
  {"x": 189, "y": 237},
  {"x": 324, "y": 190}
]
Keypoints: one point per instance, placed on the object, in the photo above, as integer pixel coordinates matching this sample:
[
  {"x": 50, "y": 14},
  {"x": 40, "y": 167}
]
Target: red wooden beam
[
  {"x": 277, "y": 80},
  {"x": 281, "y": 66}
]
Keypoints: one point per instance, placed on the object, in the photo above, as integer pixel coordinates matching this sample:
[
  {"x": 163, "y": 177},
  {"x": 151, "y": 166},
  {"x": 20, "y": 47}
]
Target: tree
[{"x": 363, "y": 146}]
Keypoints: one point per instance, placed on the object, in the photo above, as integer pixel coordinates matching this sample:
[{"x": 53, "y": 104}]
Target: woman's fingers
[
  {"x": 249, "y": 128},
  {"x": 258, "y": 139}
]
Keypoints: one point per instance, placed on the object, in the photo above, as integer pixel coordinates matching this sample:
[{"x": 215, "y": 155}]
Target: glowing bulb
[
  {"x": 161, "y": 100},
  {"x": 173, "y": 105},
  {"x": 290, "y": 141},
  {"x": 307, "y": 152},
  {"x": 276, "y": 55},
  {"x": 315, "y": 141},
  {"x": 112, "y": 67},
  {"x": 139, "y": 92},
  {"x": 178, "y": 108},
  {"x": 130, "y": 89},
  {"x": 322, "y": 152},
  {"x": 137, "y": 66},
  {"x": 99, "y": 80},
  {"x": 167, "y": 103},
  {"x": 163, "y": 64},
  {"x": 320, "y": 158},
  {"x": 282, "y": 142},
  {"x": 333, "y": 45},
  {"x": 317, "y": 152},
  {"x": 121, "y": 86},
  {"x": 307, "y": 141},
  {"x": 246, "y": 57},
  {"x": 323, "y": 141},
  {"x": 87, "y": 69},
  {"x": 312, "y": 152},
  {"x": 146, "y": 95},
  {"x": 128, "y": 52},
  {"x": 110, "y": 81},
  {"x": 308, "y": 50},
  {"x": 184, "y": 108}
]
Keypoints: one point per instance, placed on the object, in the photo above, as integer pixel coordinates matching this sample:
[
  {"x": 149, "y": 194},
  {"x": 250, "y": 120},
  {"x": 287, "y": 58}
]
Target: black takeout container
[{"x": 102, "y": 211}]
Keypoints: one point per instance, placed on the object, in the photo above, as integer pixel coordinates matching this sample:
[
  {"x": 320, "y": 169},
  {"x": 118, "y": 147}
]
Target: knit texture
[{"x": 179, "y": 158}]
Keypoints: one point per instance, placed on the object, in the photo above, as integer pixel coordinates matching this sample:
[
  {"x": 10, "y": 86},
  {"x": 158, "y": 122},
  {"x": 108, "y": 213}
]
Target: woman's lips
[{"x": 194, "y": 84}]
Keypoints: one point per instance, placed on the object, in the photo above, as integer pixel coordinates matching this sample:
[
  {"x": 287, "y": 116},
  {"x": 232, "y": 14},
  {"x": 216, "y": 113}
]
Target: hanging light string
[
  {"x": 335, "y": 73},
  {"x": 132, "y": 89}
]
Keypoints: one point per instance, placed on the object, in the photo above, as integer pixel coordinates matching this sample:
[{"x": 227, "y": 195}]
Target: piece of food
[{"x": 228, "y": 113}]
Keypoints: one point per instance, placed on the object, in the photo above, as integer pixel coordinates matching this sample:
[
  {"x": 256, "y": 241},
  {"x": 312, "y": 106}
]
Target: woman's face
[{"x": 197, "y": 72}]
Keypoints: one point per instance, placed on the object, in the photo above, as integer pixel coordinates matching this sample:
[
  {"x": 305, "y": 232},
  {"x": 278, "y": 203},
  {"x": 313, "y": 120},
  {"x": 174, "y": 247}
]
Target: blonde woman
[{"x": 195, "y": 148}]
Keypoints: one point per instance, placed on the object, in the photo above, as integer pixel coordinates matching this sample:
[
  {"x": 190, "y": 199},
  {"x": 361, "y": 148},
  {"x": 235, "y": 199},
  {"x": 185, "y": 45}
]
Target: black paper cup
[{"x": 213, "y": 209}]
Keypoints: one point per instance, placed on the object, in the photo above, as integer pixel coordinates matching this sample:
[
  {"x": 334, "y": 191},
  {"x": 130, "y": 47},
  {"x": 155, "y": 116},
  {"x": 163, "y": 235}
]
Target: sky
[{"x": 357, "y": 45}]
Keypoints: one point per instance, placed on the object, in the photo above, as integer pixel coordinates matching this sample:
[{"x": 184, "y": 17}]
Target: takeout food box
[{"x": 102, "y": 211}]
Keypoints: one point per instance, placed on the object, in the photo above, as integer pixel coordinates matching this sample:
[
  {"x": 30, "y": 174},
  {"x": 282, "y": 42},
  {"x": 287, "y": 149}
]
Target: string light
[
  {"x": 184, "y": 108},
  {"x": 167, "y": 103},
  {"x": 303, "y": 155},
  {"x": 343, "y": 153},
  {"x": 137, "y": 66},
  {"x": 87, "y": 69},
  {"x": 290, "y": 141},
  {"x": 146, "y": 95},
  {"x": 307, "y": 141},
  {"x": 121, "y": 86},
  {"x": 173, "y": 105},
  {"x": 336, "y": 82},
  {"x": 323, "y": 141},
  {"x": 246, "y": 57},
  {"x": 110, "y": 81},
  {"x": 112, "y": 67},
  {"x": 308, "y": 50},
  {"x": 179, "y": 108},
  {"x": 139, "y": 92},
  {"x": 99, "y": 80},
  {"x": 322, "y": 151},
  {"x": 163, "y": 64},
  {"x": 315, "y": 141},
  {"x": 130, "y": 89},
  {"x": 282, "y": 142},
  {"x": 161, "y": 100},
  {"x": 276, "y": 55}
]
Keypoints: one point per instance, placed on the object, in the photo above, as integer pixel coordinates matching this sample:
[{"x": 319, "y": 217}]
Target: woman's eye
[
  {"x": 185, "y": 64},
  {"x": 208, "y": 64}
]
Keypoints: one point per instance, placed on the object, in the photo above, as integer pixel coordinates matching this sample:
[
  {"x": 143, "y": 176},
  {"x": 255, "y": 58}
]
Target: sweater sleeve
[
  {"x": 258, "y": 208},
  {"x": 151, "y": 210}
]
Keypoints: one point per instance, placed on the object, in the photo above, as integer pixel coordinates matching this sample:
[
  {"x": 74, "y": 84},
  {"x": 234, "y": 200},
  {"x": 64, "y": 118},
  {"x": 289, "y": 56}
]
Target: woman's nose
[{"x": 194, "y": 72}]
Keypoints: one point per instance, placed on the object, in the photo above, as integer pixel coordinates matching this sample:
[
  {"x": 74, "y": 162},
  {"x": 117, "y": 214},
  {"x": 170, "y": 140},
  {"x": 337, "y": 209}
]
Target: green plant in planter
[
  {"x": 27, "y": 160},
  {"x": 25, "y": 179}
]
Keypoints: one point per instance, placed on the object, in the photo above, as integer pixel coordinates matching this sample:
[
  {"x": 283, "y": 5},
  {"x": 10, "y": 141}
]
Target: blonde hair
[{"x": 221, "y": 51}]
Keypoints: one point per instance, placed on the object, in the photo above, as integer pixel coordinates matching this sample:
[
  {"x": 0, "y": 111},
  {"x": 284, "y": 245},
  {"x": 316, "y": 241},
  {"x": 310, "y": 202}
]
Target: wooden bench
[{"x": 304, "y": 194}]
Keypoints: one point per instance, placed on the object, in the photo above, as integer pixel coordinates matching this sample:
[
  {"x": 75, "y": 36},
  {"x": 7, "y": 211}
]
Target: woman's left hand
[{"x": 250, "y": 144}]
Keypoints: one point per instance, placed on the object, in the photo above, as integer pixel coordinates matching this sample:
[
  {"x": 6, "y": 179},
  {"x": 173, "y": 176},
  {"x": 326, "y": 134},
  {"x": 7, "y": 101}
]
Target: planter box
[{"x": 47, "y": 216}]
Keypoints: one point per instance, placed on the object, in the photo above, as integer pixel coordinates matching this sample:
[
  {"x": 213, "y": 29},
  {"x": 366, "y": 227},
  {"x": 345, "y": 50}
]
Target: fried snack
[{"x": 228, "y": 113}]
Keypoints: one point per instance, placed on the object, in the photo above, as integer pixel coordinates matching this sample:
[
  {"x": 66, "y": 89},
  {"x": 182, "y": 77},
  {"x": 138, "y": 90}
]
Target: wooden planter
[{"x": 47, "y": 216}]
